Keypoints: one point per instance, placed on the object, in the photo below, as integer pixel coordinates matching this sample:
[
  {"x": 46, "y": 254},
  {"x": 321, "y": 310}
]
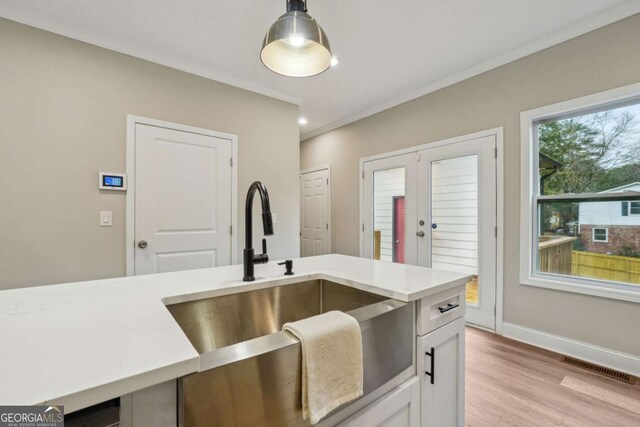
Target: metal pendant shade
[{"x": 295, "y": 45}]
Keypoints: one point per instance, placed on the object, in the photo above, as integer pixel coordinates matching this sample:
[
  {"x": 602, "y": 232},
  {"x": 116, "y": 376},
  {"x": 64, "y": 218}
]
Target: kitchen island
[{"x": 82, "y": 343}]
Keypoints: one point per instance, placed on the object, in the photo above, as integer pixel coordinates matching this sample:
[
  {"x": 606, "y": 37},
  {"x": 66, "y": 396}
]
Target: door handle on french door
[
  {"x": 420, "y": 234},
  {"x": 142, "y": 244}
]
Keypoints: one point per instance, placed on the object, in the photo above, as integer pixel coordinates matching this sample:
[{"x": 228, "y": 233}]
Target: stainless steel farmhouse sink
[{"x": 250, "y": 371}]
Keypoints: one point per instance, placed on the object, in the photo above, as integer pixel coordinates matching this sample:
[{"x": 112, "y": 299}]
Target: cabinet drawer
[{"x": 439, "y": 309}]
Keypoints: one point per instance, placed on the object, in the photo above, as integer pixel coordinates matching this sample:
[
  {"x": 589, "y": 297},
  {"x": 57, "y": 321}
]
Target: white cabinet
[
  {"x": 398, "y": 408},
  {"x": 441, "y": 371}
]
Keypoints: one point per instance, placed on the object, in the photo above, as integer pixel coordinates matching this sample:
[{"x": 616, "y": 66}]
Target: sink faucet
[{"x": 267, "y": 225}]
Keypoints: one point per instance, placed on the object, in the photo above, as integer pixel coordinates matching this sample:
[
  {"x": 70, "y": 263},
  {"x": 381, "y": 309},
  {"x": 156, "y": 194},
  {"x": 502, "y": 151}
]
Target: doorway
[
  {"x": 315, "y": 211},
  {"x": 181, "y": 197},
  {"x": 436, "y": 206}
]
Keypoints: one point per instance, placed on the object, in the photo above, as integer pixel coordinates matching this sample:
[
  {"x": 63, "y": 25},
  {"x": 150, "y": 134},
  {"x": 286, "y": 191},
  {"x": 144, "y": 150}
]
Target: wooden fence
[
  {"x": 555, "y": 254},
  {"x": 606, "y": 267}
]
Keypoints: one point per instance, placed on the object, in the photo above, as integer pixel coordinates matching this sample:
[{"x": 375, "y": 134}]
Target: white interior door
[
  {"x": 314, "y": 213},
  {"x": 182, "y": 200},
  {"x": 457, "y": 207},
  {"x": 389, "y": 210}
]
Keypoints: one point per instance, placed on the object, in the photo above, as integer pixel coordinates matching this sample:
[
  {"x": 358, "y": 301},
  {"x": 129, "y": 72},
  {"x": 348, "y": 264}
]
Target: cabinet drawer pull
[
  {"x": 432, "y": 354},
  {"x": 448, "y": 307}
]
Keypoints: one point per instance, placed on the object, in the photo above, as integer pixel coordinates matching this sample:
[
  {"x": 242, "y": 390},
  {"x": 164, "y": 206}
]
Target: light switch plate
[
  {"x": 106, "y": 218},
  {"x": 274, "y": 217}
]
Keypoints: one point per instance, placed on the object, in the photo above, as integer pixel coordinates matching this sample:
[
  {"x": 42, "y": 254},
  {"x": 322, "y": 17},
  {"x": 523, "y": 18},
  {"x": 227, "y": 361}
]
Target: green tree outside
[{"x": 597, "y": 152}]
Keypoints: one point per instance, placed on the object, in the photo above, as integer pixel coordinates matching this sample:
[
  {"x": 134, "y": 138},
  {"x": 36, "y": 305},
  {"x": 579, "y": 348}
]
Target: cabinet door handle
[
  {"x": 432, "y": 354},
  {"x": 448, "y": 307}
]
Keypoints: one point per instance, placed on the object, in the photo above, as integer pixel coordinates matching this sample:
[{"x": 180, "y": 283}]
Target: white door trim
[
  {"x": 326, "y": 167},
  {"x": 498, "y": 133},
  {"x": 132, "y": 121},
  {"x": 316, "y": 169},
  {"x": 475, "y": 135}
]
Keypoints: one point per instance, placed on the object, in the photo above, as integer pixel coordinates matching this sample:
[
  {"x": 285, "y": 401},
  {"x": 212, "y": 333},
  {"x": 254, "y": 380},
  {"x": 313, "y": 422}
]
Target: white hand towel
[{"x": 331, "y": 362}]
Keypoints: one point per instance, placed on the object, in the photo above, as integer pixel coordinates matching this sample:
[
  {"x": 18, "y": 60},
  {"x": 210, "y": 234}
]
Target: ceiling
[{"x": 389, "y": 51}]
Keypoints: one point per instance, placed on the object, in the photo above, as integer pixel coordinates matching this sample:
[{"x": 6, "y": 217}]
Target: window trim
[
  {"x": 529, "y": 187},
  {"x": 629, "y": 209},
  {"x": 606, "y": 235}
]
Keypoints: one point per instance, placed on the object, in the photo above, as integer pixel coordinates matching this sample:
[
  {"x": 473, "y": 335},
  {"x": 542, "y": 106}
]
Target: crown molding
[
  {"x": 156, "y": 57},
  {"x": 613, "y": 15}
]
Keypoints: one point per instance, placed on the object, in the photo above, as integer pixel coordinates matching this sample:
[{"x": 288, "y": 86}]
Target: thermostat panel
[{"x": 112, "y": 181}]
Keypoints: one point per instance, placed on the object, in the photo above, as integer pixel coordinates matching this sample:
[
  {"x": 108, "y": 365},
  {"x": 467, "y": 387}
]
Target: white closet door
[
  {"x": 314, "y": 213},
  {"x": 182, "y": 200}
]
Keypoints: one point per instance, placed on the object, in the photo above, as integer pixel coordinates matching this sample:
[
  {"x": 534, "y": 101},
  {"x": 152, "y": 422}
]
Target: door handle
[
  {"x": 420, "y": 234},
  {"x": 142, "y": 244},
  {"x": 448, "y": 307},
  {"x": 432, "y": 374}
]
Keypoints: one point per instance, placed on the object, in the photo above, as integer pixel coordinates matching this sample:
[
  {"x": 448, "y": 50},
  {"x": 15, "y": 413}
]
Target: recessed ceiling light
[
  {"x": 302, "y": 121},
  {"x": 334, "y": 61}
]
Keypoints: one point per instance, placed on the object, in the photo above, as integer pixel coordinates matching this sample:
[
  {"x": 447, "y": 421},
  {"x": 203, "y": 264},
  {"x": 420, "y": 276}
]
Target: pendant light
[{"x": 295, "y": 45}]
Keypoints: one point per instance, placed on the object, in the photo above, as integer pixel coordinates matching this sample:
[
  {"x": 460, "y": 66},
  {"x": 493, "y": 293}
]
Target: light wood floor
[{"x": 513, "y": 384}]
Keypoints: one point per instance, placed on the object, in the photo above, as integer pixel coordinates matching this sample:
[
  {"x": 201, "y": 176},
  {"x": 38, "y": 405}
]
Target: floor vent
[{"x": 608, "y": 372}]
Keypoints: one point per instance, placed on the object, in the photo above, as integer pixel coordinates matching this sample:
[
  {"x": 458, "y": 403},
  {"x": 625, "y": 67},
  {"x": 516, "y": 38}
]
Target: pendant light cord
[{"x": 296, "y": 5}]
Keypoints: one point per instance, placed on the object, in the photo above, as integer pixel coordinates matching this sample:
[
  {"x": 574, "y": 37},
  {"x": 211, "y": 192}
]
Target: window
[
  {"x": 600, "y": 235},
  {"x": 581, "y": 161}
]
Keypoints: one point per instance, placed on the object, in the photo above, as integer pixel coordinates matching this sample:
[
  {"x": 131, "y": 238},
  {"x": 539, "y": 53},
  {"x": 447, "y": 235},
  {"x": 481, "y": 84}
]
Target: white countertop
[{"x": 81, "y": 343}]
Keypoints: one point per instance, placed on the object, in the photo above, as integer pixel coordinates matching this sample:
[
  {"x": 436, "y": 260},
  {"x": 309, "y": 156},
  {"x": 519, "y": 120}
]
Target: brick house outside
[
  {"x": 617, "y": 237},
  {"x": 611, "y": 227}
]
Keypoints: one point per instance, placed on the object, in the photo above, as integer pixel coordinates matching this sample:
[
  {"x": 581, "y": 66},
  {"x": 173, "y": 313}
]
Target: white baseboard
[{"x": 591, "y": 353}]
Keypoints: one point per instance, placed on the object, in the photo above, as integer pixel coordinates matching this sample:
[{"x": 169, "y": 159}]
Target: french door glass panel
[
  {"x": 390, "y": 209},
  {"x": 388, "y": 215},
  {"x": 454, "y": 218}
]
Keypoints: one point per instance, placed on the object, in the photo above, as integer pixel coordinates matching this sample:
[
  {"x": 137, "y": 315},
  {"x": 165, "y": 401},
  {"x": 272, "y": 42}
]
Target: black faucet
[{"x": 267, "y": 225}]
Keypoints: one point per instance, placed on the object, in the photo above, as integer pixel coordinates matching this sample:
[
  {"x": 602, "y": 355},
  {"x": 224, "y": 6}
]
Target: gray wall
[
  {"x": 63, "y": 110},
  {"x": 601, "y": 60}
]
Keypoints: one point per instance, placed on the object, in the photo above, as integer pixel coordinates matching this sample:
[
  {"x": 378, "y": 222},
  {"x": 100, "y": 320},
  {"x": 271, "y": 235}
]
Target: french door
[
  {"x": 447, "y": 217},
  {"x": 457, "y": 203}
]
